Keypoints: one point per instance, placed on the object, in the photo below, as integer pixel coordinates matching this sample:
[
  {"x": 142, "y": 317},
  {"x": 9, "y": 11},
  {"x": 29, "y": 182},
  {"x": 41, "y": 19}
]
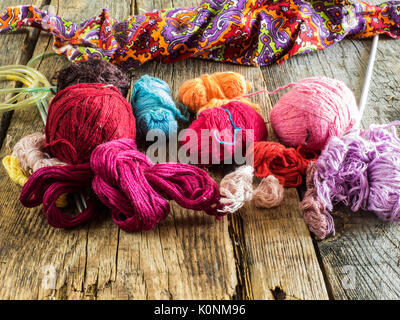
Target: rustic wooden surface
[
  {"x": 253, "y": 254},
  {"x": 363, "y": 260}
]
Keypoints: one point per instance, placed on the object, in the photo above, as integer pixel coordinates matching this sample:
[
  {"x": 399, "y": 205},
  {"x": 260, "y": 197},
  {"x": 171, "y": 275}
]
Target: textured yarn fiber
[
  {"x": 237, "y": 187},
  {"x": 214, "y": 102},
  {"x": 361, "y": 171},
  {"x": 288, "y": 165},
  {"x": 312, "y": 111},
  {"x": 14, "y": 170},
  {"x": 83, "y": 116},
  {"x": 19, "y": 176},
  {"x": 93, "y": 71},
  {"x": 154, "y": 107},
  {"x": 227, "y": 130},
  {"x": 318, "y": 219},
  {"x": 269, "y": 193},
  {"x": 86, "y": 126},
  {"x": 32, "y": 153},
  {"x": 136, "y": 190},
  {"x": 198, "y": 92}
]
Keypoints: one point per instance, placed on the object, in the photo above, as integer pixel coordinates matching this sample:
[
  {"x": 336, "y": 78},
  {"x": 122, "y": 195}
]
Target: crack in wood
[
  {"x": 278, "y": 293},
  {"x": 235, "y": 229}
]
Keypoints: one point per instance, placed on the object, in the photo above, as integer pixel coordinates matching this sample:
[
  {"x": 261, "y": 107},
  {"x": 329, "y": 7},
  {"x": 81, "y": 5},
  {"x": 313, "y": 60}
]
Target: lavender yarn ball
[
  {"x": 92, "y": 71},
  {"x": 362, "y": 171}
]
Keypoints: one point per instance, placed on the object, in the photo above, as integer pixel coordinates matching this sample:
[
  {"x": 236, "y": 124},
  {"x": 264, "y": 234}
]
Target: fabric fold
[{"x": 247, "y": 32}]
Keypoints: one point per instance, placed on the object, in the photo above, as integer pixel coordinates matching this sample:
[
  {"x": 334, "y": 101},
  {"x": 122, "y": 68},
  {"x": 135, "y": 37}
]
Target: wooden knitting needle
[{"x": 367, "y": 81}]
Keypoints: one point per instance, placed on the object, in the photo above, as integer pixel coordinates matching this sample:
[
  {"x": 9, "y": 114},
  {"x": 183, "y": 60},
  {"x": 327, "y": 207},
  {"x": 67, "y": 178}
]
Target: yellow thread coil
[{"x": 18, "y": 176}]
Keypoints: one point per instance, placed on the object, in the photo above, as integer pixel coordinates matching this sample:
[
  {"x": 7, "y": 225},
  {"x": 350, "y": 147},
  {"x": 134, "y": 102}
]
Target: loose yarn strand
[{"x": 269, "y": 92}]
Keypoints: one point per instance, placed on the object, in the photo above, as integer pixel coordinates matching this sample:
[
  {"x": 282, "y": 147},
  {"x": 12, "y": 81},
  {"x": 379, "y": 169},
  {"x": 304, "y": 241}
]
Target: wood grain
[{"x": 362, "y": 261}]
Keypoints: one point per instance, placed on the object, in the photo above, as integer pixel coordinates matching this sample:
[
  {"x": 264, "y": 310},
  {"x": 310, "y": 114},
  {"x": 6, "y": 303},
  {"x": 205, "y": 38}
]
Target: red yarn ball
[
  {"x": 223, "y": 139},
  {"x": 83, "y": 116}
]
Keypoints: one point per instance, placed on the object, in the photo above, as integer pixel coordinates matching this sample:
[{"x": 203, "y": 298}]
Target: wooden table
[{"x": 252, "y": 254}]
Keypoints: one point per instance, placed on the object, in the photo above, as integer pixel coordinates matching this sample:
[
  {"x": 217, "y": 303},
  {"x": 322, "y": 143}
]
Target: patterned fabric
[{"x": 248, "y": 32}]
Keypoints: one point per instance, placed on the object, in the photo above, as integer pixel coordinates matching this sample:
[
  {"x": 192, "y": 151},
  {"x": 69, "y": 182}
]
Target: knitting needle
[{"x": 367, "y": 81}]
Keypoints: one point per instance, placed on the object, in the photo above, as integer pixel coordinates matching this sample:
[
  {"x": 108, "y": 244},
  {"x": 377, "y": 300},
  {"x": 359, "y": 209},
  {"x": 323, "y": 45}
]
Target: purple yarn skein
[{"x": 362, "y": 171}]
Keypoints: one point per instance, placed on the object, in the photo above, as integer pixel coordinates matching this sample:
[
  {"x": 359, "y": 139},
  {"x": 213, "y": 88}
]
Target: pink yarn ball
[
  {"x": 220, "y": 123},
  {"x": 312, "y": 111}
]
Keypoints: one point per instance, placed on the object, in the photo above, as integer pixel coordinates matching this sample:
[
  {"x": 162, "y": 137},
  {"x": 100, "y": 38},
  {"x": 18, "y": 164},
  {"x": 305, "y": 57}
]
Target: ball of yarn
[
  {"x": 154, "y": 107},
  {"x": 218, "y": 133},
  {"x": 196, "y": 93},
  {"x": 314, "y": 110},
  {"x": 83, "y": 116},
  {"x": 93, "y": 71}
]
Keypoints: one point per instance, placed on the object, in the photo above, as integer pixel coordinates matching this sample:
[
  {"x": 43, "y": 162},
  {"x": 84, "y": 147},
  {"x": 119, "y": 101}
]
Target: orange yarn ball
[{"x": 196, "y": 93}]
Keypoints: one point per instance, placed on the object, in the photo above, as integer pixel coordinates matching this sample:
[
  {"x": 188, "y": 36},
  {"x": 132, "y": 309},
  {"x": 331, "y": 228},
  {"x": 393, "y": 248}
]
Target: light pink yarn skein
[{"x": 312, "y": 111}]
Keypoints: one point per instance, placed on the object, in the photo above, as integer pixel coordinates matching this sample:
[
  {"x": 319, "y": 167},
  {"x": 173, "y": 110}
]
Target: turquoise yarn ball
[{"x": 154, "y": 107}]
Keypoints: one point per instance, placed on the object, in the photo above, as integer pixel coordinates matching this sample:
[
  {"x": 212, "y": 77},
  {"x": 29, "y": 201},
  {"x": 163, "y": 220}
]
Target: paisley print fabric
[{"x": 248, "y": 32}]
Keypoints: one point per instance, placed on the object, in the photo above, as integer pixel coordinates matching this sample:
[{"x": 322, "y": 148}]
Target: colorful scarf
[{"x": 248, "y": 32}]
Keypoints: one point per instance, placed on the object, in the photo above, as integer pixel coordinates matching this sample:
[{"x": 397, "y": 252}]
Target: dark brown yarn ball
[{"x": 93, "y": 71}]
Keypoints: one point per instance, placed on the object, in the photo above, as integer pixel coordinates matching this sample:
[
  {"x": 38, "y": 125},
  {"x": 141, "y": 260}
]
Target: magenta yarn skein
[
  {"x": 136, "y": 190},
  {"x": 314, "y": 110}
]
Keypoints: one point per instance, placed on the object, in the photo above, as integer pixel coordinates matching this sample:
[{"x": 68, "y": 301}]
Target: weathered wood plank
[
  {"x": 274, "y": 254},
  {"x": 362, "y": 261},
  {"x": 16, "y": 48},
  {"x": 367, "y": 250},
  {"x": 30, "y": 250}
]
